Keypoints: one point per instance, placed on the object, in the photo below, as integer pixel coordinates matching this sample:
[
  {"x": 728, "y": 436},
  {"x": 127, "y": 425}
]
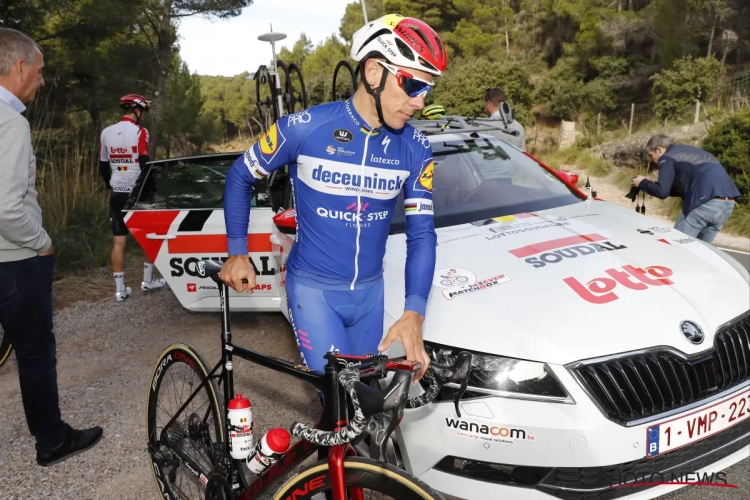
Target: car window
[
  {"x": 481, "y": 178},
  {"x": 152, "y": 195},
  {"x": 198, "y": 184},
  {"x": 192, "y": 183}
]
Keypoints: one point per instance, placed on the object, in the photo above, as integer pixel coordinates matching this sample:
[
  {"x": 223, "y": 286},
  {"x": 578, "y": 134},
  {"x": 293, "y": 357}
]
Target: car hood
[{"x": 571, "y": 283}]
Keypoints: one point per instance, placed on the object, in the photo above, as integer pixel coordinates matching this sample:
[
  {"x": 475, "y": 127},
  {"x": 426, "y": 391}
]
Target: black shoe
[{"x": 75, "y": 442}]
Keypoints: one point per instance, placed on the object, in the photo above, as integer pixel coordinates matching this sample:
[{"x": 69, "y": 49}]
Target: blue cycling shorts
[{"x": 324, "y": 320}]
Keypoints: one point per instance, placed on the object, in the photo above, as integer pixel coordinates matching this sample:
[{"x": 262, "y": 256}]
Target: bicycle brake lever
[
  {"x": 458, "y": 394},
  {"x": 381, "y": 437},
  {"x": 463, "y": 368}
]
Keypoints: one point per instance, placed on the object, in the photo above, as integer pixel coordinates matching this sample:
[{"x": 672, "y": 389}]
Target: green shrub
[
  {"x": 739, "y": 221},
  {"x": 729, "y": 142},
  {"x": 675, "y": 90},
  {"x": 461, "y": 90}
]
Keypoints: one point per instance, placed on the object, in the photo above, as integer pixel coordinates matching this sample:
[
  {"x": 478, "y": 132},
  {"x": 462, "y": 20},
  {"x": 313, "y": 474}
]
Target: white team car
[{"x": 609, "y": 349}]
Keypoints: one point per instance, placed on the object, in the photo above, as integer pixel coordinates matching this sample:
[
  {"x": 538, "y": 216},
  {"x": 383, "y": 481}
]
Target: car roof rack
[{"x": 461, "y": 124}]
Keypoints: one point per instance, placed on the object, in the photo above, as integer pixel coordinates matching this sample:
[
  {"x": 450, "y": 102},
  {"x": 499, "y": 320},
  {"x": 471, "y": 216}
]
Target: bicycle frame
[{"x": 332, "y": 418}]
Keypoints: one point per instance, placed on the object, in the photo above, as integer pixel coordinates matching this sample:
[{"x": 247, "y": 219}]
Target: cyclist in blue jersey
[{"x": 348, "y": 163}]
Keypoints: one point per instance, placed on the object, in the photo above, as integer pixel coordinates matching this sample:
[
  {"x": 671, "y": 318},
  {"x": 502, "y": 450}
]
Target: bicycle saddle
[{"x": 208, "y": 268}]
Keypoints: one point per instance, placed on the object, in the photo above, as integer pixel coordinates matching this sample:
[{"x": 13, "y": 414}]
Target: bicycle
[
  {"x": 5, "y": 347},
  {"x": 339, "y": 473},
  {"x": 451, "y": 280}
]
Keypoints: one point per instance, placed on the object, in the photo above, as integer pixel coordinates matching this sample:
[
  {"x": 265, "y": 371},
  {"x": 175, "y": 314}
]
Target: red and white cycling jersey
[{"x": 121, "y": 144}]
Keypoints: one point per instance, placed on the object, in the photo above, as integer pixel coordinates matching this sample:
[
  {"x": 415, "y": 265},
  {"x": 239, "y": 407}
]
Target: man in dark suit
[{"x": 708, "y": 193}]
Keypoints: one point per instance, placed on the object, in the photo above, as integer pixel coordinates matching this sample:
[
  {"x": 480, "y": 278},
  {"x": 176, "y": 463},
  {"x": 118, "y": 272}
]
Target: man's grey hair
[
  {"x": 658, "y": 141},
  {"x": 15, "y": 46}
]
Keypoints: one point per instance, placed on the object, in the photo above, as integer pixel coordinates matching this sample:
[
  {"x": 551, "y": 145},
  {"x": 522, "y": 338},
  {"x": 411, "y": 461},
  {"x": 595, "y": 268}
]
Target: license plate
[{"x": 681, "y": 431}]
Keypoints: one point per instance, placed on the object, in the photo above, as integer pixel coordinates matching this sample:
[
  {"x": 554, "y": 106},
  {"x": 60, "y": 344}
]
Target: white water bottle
[
  {"x": 240, "y": 417},
  {"x": 269, "y": 449}
]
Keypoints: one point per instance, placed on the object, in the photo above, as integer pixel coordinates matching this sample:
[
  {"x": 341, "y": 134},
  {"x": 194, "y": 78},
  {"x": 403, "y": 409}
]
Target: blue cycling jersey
[{"x": 345, "y": 182}]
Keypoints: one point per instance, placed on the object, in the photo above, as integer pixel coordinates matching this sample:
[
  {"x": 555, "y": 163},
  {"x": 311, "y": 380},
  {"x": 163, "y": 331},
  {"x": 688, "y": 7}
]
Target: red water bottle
[
  {"x": 240, "y": 418},
  {"x": 268, "y": 450}
]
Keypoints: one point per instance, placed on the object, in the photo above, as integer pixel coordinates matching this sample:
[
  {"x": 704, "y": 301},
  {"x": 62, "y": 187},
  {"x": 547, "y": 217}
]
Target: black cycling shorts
[{"x": 116, "y": 215}]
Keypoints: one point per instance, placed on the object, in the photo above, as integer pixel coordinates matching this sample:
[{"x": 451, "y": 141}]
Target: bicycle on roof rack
[
  {"x": 291, "y": 96},
  {"x": 191, "y": 441},
  {"x": 346, "y": 94}
]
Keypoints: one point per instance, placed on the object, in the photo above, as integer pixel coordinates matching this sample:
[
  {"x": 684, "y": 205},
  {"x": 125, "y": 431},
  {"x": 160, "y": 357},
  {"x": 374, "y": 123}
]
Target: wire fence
[{"x": 731, "y": 95}]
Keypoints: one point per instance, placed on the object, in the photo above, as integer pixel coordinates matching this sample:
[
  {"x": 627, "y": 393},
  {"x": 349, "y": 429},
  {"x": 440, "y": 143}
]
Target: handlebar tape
[{"x": 342, "y": 436}]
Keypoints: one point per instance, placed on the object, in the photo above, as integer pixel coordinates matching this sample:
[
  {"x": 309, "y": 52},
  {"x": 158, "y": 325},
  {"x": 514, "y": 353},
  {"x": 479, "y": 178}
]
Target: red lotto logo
[{"x": 600, "y": 290}]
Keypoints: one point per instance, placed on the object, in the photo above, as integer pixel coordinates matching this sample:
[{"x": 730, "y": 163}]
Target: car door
[{"x": 177, "y": 218}]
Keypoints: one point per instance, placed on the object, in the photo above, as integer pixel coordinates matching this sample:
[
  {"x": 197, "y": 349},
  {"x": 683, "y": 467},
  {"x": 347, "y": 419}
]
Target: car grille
[
  {"x": 605, "y": 483},
  {"x": 646, "y": 385}
]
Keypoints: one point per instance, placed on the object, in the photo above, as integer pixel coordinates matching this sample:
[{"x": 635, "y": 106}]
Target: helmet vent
[
  {"x": 427, "y": 42},
  {"x": 373, "y": 37},
  {"x": 404, "y": 49},
  {"x": 427, "y": 64}
]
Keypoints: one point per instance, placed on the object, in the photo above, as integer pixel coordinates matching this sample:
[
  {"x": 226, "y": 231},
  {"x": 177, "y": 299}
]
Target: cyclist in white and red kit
[{"x": 123, "y": 154}]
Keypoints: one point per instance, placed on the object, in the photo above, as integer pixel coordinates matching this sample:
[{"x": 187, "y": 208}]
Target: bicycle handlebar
[
  {"x": 353, "y": 428},
  {"x": 438, "y": 375}
]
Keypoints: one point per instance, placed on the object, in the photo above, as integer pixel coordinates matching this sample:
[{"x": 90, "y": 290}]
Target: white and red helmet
[
  {"x": 134, "y": 100},
  {"x": 403, "y": 41}
]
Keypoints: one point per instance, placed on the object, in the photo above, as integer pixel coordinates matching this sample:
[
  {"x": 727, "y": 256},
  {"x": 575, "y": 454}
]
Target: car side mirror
[
  {"x": 568, "y": 177},
  {"x": 286, "y": 221}
]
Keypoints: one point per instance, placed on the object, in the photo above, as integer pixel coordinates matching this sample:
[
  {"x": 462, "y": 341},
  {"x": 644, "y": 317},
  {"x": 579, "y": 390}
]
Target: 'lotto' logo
[{"x": 599, "y": 290}]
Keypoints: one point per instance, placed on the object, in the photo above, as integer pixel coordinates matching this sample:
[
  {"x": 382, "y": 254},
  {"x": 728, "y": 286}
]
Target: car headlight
[{"x": 500, "y": 376}]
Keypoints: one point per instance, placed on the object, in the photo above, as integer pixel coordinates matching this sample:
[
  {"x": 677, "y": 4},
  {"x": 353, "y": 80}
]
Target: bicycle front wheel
[
  {"x": 373, "y": 479},
  {"x": 184, "y": 454}
]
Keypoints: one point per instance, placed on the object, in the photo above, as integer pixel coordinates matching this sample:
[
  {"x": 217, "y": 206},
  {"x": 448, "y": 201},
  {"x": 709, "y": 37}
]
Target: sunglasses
[{"x": 413, "y": 86}]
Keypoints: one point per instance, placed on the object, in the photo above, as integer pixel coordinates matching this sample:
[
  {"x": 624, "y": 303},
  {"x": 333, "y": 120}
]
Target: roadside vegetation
[{"x": 614, "y": 67}]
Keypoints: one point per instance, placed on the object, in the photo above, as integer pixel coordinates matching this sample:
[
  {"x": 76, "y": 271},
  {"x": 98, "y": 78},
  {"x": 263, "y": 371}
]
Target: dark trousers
[{"x": 26, "y": 317}]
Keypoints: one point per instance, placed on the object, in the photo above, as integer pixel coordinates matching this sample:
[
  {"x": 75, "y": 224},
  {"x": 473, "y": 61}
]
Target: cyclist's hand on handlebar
[
  {"x": 408, "y": 330},
  {"x": 235, "y": 269}
]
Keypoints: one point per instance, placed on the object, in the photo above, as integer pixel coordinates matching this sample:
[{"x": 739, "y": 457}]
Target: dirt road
[{"x": 106, "y": 352}]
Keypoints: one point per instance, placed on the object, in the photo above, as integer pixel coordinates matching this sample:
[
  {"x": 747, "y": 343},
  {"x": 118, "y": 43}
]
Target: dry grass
[
  {"x": 236, "y": 144},
  {"x": 581, "y": 159},
  {"x": 76, "y": 208},
  {"x": 98, "y": 283}
]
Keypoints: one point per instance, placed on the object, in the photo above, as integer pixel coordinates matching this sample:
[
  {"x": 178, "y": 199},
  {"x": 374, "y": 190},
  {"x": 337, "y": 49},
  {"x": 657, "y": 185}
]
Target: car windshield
[{"x": 481, "y": 178}]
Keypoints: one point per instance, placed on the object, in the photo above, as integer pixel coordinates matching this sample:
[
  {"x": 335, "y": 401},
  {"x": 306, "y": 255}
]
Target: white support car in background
[{"x": 609, "y": 349}]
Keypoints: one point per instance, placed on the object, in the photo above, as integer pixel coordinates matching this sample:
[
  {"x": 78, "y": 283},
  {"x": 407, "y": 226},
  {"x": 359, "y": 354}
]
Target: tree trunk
[
  {"x": 711, "y": 38},
  {"x": 164, "y": 58},
  {"x": 96, "y": 119},
  {"x": 507, "y": 43},
  {"x": 163, "y": 24},
  {"x": 169, "y": 147}
]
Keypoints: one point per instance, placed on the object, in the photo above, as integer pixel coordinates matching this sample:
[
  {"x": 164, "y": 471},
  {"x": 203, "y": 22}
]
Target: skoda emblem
[
  {"x": 343, "y": 135},
  {"x": 692, "y": 332}
]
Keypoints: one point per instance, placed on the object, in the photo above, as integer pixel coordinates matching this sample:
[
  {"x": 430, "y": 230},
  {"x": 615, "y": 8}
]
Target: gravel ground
[{"x": 106, "y": 351}]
